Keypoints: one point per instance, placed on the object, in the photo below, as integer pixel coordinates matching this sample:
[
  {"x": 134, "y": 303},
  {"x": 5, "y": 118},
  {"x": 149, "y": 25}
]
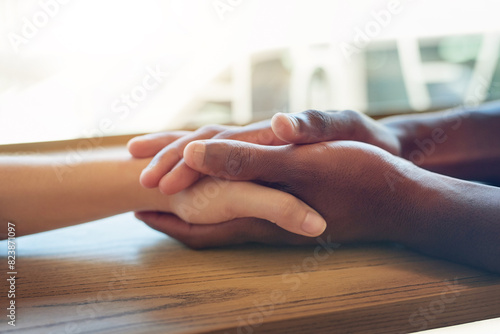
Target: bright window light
[{"x": 72, "y": 69}]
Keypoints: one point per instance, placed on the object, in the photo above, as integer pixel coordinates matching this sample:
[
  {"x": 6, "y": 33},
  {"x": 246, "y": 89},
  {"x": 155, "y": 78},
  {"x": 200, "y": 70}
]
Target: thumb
[
  {"x": 314, "y": 126},
  {"x": 235, "y": 160}
]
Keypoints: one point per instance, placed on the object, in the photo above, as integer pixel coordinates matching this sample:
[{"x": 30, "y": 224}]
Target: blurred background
[{"x": 74, "y": 69}]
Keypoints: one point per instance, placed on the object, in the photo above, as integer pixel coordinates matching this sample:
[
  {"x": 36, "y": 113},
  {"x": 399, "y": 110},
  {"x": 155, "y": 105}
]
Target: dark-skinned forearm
[
  {"x": 463, "y": 143},
  {"x": 454, "y": 219}
]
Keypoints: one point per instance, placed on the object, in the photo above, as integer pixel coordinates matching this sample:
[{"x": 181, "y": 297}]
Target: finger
[
  {"x": 226, "y": 200},
  {"x": 170, "y": 155},
  {"x": 181, "y": 177},
  {"x": 235, "y": 160},
  {"x": 234, "y": 232},
  {"x": 281, "y": 208},
  {"x": 257, "y": 133},
  {"x": 148, "y": 145},
  {"x": 194, "y": 236},
  {"x": 314, "y": 126}
]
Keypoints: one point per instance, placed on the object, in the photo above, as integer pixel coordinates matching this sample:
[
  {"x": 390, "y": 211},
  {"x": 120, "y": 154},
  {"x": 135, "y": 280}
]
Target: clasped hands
[{"x": 309, "y": 174}]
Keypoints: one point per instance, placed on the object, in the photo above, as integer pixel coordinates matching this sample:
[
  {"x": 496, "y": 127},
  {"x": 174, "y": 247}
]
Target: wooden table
[{"x": 119, "y": 276}]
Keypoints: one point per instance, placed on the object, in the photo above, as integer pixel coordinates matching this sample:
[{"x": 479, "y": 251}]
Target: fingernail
[
  {"x": 281, "y": 126},
  {"x": 198, "y": 155},
  {"x": 136, "y": 140},
  {"x": 313, "y": 224}
]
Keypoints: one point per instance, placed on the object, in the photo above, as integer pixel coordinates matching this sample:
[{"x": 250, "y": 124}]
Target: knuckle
[
  {"x": 318, "y": 119},
  {"x": 201, "y": 133},
  {"x": 351, "y": 116},
  {"x": 178, "y": 134},
  {"x": 225, "y": 134},
  {"x": 227, "y": 212},
  {"x": 177, "y": 149},
  {"x": 227, "y": 208},
  {"x": 319, "y": 124},
  {"x": 350, "y": 113},
  {"x": 286, "y": 207},
  {"x": 238, "y": 158},
  {"x": 309, "y": 162},
  {"x": 212, "y": 129},
  {"x": 352, "y": 124}
]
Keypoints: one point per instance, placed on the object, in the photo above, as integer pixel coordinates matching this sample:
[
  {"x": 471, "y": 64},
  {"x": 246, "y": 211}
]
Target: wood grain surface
[{"x": 118, "y": 276}]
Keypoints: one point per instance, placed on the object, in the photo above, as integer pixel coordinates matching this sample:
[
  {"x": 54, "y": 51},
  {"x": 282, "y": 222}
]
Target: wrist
[
  {"x": 390, "y": 193},
  {"x": 411, "y": 196},
  {"x": 419, "y": 195},
  {"x": 404, "y": 131}
]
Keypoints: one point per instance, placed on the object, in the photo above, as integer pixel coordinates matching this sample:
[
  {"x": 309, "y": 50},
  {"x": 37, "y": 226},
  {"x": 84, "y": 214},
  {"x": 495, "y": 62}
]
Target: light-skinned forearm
[
  {"x": 44, "y": 193},
  {"x": 463, "y": 143}
]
